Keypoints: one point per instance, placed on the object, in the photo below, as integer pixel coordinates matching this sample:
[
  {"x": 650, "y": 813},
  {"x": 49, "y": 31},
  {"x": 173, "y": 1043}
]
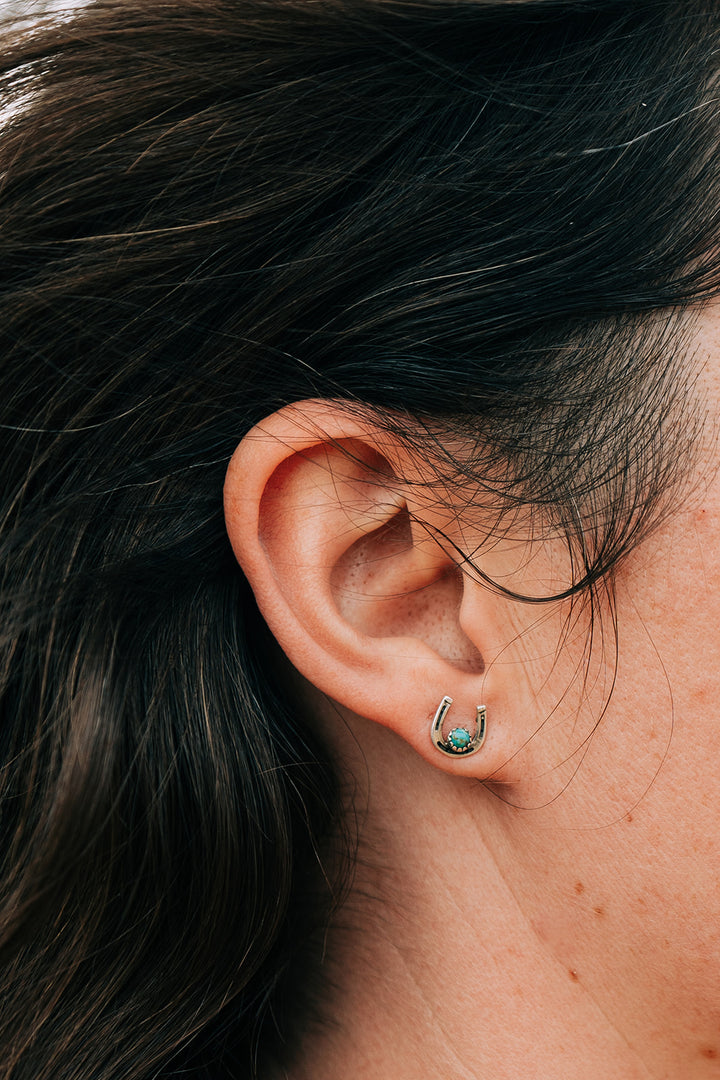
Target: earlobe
[{"x": 352, "y": 582}]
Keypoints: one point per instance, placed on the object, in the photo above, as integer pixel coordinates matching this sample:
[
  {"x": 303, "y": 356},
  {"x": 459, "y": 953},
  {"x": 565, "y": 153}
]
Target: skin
[{"x": 550, "y": 906}]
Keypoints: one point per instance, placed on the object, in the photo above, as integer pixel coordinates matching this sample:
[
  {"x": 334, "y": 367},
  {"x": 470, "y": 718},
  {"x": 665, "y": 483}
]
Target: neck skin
[{"x": 482, "y": 940}]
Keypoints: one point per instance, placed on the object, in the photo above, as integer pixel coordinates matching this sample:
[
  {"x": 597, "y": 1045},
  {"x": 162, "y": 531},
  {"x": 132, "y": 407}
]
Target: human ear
[{"x": 344, "y": 560}]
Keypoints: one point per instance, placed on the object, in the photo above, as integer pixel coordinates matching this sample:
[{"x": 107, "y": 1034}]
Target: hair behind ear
[{"x": 186, "y": 814}]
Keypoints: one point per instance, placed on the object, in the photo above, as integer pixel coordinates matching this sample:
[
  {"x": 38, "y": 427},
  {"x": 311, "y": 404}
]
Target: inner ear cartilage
[{"x": 459, "y": 740}]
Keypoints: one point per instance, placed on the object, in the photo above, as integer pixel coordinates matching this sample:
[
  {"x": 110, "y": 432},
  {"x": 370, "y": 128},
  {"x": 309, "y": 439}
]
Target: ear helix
[{"x": 459, "y": 740}]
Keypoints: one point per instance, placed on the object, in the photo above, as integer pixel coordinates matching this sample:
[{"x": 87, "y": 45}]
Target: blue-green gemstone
[{"x": 459, "y": 737}]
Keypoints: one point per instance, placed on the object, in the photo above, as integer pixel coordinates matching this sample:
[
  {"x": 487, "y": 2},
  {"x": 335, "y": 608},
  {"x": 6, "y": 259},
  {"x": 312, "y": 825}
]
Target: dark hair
[{"x": 487, "y": 218}]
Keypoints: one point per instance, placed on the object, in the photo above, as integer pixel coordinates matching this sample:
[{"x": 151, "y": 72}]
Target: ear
[{"x": 346, "y": 566}]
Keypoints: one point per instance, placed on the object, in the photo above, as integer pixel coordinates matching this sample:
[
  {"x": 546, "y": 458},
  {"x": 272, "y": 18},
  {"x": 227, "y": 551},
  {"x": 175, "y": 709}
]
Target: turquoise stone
[{"x": 459, "y": 737}]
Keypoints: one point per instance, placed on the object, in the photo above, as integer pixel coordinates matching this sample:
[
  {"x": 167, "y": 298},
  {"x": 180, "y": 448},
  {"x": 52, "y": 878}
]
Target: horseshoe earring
[{"x": 459, "y": 740}]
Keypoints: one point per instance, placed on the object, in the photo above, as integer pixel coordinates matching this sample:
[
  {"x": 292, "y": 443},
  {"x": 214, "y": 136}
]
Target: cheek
[
  {"x": 671, "y": 594},
  {"x": 664, "y": 718}
]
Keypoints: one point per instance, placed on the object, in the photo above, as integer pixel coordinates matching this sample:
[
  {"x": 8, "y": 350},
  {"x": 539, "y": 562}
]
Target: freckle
[
  {"x": 579, "y": 887},
  {"x": 599, "y": 911},
  {"x": 573, "y": 975},
  {"x": 709, "y": 1052}
]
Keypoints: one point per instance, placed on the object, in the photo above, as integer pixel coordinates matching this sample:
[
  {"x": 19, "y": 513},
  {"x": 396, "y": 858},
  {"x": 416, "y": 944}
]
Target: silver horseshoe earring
[{"x": 459, "y": 740}]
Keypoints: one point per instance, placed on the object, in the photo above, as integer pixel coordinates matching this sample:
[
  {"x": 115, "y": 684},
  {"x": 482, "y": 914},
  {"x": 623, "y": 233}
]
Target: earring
[{"x": 459, "y": 741}]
